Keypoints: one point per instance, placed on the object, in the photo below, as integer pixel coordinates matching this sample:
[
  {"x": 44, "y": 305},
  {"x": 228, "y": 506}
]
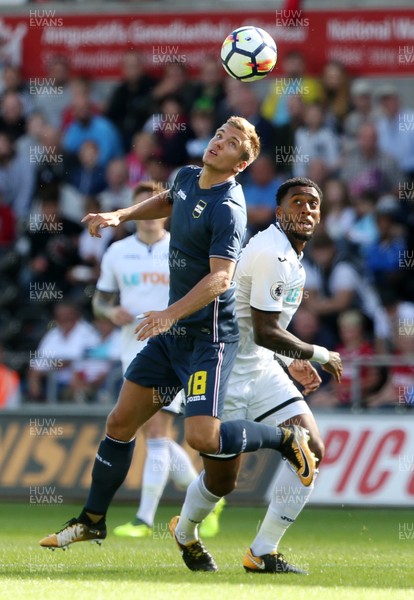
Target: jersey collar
[{"x": 277, "y": 225}]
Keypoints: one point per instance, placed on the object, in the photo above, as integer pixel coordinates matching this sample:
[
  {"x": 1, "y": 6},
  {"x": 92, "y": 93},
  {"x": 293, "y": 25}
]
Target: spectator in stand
[
  {"x": 335, "y": 285},
  {"x": 396, "y": 130},
  {"x": 307, "y": 326},
  {"x": 363, "y": 231},
  {"x": 56, "y": 164},
  {"x": 293, "y": 82},
  {"x": 337, "y": 212},
  {"x": 14, "y": 82},
  {"x": 91, "y": 372},
  {"x": 382, "y": 258},
  {"x": 202, "y": 130},
  {"x": 55, "y": 98},
  {"x": 7, "y": 227},
  {"x": 117, "y": 193},
  {"x": 315, "y": 141},
  {"x": 398, "y": 390},
  {"x": 91, "y": 249},
  {"x": 17, "y": 177},
  {"x": 336, "y": 99},
  {"x": 228, "y": 106},
  {"x": 247, "y": 104},
  {"x": 31, "y": 140},
  {"x": 170, "y": 127},
  {"x": 88, "y": 177},
  {"x": 175, "y": 81},
  {"x": 79, "y": 87},
  {"x": 365, "y": 167},
  {"x": 353, "y": 345},
  {"x": 12, "y": 119},
  {"x": 89, "y": 126},
  {"x": 58, "y": 350},
  {"x": 10, "y": 396},
  {"x": 362, "y": 111},
  {"x": 52, "y": 245},
  {"x": 400, "y": 315},
  {"x": 130, "y": 104},
  {"x": 286, "y": 154},
  {"x": 260, "y": 193},
  {"x": 144, "y": 146},
  {"x": 209, "y": 88},
  {"x": 318, "y": 171}
]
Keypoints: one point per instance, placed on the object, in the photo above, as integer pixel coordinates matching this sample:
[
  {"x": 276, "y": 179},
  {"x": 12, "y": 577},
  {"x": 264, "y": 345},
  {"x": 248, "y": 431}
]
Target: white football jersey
[
  {"x": 269, "y": 277},
  {"x": 140, "y": 274}
]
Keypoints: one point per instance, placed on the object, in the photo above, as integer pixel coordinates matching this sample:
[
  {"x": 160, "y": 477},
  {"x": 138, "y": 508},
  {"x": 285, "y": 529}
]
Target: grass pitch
[{"x": 355, "y": 554}]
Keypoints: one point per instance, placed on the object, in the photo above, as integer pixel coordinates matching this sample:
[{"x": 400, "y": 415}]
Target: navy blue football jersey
[{"x": 205, "y": 223}]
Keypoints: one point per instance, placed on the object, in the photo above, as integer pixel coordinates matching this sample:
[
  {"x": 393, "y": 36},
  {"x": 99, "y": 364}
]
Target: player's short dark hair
[
  {"x": 293, "y": 182},
  {"x": 152, "y": 187}
]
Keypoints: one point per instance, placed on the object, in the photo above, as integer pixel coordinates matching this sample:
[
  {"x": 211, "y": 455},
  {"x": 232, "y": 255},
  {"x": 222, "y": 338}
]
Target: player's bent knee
[
  {"x": 198, "y": 441},
  {"x": 117, "y": 428},
  {"x": 220, "y": 486}
]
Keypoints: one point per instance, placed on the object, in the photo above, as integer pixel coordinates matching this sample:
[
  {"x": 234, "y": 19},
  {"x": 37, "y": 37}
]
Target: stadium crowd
[{"x": 69, "y": 150}]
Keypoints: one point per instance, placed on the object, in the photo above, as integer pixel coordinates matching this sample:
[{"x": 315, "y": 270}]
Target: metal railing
[{"x": 377, "y": 360}]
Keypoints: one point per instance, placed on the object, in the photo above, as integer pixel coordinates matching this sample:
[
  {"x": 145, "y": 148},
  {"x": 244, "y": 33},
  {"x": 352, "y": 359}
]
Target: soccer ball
[{"x": 248, "y": 53}]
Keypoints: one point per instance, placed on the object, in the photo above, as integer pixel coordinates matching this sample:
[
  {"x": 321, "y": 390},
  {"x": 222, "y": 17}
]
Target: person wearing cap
[
  {"x": 395, "y": 129},
  {"x": 363, "y": 111}
]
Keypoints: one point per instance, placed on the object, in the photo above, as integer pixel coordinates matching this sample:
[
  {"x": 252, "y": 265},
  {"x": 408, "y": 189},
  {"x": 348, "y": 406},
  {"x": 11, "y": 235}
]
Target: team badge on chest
[{"x": 198, "y": 209}]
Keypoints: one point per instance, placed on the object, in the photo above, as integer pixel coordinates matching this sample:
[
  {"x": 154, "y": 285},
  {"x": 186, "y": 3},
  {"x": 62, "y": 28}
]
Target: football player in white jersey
[
  {"x": 135, "y": 271},
  {"x": 270, "y": 281}
]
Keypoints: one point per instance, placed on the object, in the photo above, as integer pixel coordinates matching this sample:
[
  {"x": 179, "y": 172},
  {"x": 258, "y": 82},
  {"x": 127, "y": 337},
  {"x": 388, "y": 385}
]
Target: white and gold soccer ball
[{"x": 248, "y": 53}]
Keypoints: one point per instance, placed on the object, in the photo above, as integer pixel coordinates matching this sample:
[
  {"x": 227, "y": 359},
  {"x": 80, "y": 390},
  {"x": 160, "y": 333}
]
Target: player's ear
[
  {"x": 278, "y": 212},
  {"x": 240, "y": 166}
]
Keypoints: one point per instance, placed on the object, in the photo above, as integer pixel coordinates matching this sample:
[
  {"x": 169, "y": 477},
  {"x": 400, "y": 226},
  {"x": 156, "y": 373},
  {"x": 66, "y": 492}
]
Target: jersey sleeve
[
  {"x": 107, "y": 281},
  {"x": 269, "y": 280},
  {"x": 228, "y": 225}
]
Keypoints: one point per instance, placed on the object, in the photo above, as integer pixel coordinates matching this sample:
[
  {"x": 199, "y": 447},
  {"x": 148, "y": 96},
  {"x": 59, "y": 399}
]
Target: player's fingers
[{"x": 88, "y": 217}]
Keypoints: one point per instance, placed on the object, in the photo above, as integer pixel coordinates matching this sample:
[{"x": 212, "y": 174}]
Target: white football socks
[
  {"x": 155, "y": 477},
  {"x": 198, "y": 503},
  {"x": 182, "y": 470},
  {"x": 289, "y": 496}
]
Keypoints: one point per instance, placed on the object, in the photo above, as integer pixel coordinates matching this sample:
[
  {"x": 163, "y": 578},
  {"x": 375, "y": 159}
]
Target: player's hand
[
  {"x": 306, "y": 375},
  {"x": 153, "y": 323},
  {"x": 120, "y": 316},
  {"x": 97, "y": 221},
  {"x": 334, "y": 366}
]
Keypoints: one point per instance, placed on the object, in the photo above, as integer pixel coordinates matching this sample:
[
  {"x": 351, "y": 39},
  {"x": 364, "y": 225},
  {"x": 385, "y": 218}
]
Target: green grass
[{"x": 355, "y": 554}]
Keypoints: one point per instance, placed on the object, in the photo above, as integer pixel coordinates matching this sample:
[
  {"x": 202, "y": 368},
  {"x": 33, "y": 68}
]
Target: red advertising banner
[
  {"x": 379, "y": 42},
  {"x": 369, "y": 460}
]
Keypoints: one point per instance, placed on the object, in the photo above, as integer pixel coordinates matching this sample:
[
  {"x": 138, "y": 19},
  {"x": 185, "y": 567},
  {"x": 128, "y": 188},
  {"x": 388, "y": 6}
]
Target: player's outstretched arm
[
  {"x": 269, "y": 334},
  {"x": 156, "y": 207},
  {"x": 105, "y": 305},
  {"x": 206, "y": 290}
]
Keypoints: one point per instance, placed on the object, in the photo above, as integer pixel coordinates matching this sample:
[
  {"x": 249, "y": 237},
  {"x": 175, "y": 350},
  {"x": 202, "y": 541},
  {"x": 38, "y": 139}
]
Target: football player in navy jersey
[{"x": 193, "y": 342}]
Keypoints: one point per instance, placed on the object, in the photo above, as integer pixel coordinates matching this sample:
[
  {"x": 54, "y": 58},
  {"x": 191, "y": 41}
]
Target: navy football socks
[
  {"x": 246, "y": 436},
  {"x": 111, "y": 466}
]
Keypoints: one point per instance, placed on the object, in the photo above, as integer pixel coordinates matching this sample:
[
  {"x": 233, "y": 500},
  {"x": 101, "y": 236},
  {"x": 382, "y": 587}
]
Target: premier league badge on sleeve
[{"x": 276, "y": 291}]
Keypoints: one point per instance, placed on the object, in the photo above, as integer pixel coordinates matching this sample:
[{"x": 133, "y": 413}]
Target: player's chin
[{"x": 303, "y": 236}]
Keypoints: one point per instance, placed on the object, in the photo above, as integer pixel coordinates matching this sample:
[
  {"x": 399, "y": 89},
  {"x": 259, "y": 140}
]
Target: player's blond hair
[{"x": 252, "y": 144}]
